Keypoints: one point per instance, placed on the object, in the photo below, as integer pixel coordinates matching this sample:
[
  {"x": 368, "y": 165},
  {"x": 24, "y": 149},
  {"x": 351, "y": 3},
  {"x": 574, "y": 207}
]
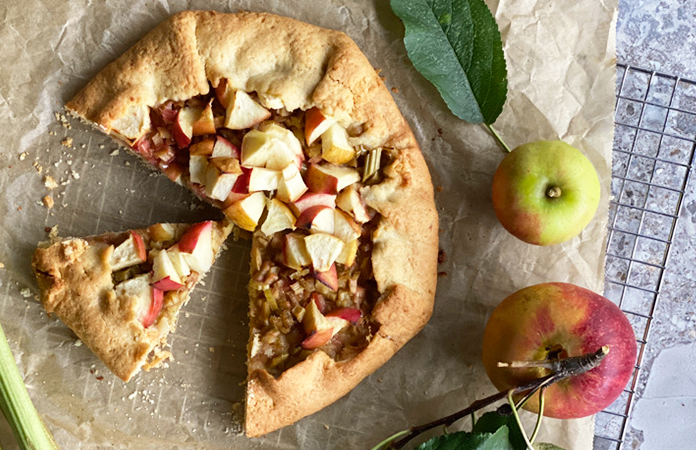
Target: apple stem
[
  {"x": 518, "y": 420},
  {"x": 561, "y": 369},
  {"x": 497, "y": 137}
]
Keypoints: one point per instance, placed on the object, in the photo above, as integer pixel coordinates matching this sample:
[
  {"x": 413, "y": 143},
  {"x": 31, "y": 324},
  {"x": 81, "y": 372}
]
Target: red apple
[
  {"x": 352, "y": 315},
  {"x": 316, "y": 123},
  {"x": 350, "y": 201},
  {"x": 317, "y": 218},
  {"x": 545, "y": 192},
  {"x": 310, "y": 199},
  {"x": 317, "y": 338},
  {"x": 130, "y": 253},
  {"x": 196, "y": 245},
  {"x": 205, "y": 123},
  {"x": 173, "y": 171},
  {"x": 183, "y": 126},
  {"x": 563, "y": 320},
  {"x": 165, "y": 277},
  {"x": 223, "y": 147}
]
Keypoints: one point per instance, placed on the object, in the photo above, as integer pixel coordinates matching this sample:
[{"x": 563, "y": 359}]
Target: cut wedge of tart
[
  {"x": 121, "y": 292},
  {"x": 289, "y": 130}
]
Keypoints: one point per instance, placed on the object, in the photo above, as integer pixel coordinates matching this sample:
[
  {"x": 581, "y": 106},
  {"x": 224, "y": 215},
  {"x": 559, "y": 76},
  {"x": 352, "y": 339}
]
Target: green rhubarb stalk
[{"x": 29, "y": 430}]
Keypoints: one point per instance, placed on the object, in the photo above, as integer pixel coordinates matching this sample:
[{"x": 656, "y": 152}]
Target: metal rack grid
[{"x": 655, "y": 137}]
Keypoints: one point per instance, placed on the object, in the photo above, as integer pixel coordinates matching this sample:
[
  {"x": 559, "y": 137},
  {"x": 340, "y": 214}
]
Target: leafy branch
[{"x": 560, "y": 370}]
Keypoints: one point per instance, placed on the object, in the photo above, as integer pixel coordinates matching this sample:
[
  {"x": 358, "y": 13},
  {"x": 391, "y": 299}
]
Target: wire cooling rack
[{"x": 655, "y": 135}]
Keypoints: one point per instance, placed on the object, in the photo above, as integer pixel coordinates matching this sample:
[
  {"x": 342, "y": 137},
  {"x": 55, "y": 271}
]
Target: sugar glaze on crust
[{"x": 292, "y": 65}]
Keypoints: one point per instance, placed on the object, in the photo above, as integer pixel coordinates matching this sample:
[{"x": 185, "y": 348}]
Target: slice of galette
[{"x": 121, "y": 292}]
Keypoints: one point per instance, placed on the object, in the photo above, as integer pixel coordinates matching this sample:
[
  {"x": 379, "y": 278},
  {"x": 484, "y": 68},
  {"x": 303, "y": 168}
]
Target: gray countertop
[{"x": 661, "y": 36}]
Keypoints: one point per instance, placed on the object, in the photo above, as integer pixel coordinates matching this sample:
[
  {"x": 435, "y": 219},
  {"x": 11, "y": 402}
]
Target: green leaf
[
  {"x": 469, "y": 441},
  {"x": 492, "y": 421},
  {"x": 456, "y": 45}
]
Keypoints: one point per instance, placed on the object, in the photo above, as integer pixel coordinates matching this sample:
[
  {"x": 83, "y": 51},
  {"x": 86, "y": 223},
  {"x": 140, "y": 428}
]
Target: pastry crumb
[
  {"x": 22, "y": 156},
  {"x": 26, "y": 292},
  {"x": 37, "y": 166},
  {"x": 48, "y": 201},
  {"x": 50, "y": 183},
  {"x": 114, "y": 153},
  {"x": 78, "y": 343},
  {"x": 2, "y": 266},
  {"x": 395, "y": 90},
  {"x": 211, "y": 349},
  {"x": 67, "y": 142},
  {"x": 53, "y": 233}
]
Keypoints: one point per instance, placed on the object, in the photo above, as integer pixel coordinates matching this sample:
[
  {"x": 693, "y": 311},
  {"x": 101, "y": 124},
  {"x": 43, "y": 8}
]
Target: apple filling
[
  {"x": 152, "y": 266},
  {"x": 294, "y": 179}
]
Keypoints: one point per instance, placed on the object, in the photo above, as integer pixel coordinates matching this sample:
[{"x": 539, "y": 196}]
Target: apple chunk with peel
[
  {"x": 179, "y": 262},
  {"x": 183, "y": 126},
  {"x": 329, "y": 278},
  {"x": 319, "y": 327},
  {"x": 316, "y": 123},
  {"x": 224, "y": 148},
  {"x": 196, "y": 245},
  {"x": 244, "y": 112},
  {"x": 221, "y": 176},
  {"x": 205, "y": 123},
  {"x": 291, "y": 186},
  {"x": 352, "y": 315},
  {"x": 247, "y": 212},
  {"x": 295, "y": 254},
  {"x": 334, "y": 145},
  {"x": 349, "y": 200},
  {"x": 348, "y": 254},
  {"x": 287, "y": 137},
  {"x": 318, "y": 218},
  {"x": 323, "y": 250},
  {"x": 279, "y": 218},
  {"x": 310, "y": 199},
  {"x": 148, "y": 300},
  {"x": 130, "y": 253},
  {"x": 164, "y": 275},
  {"x": 345, "y": 228},
  {"x": 329, "y": 178}
]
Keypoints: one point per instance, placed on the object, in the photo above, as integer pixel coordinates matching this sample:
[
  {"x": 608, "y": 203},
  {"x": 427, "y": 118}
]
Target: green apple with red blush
[
  {"x": 545, "y": 192},
  {"x": 556, "y": 321}
]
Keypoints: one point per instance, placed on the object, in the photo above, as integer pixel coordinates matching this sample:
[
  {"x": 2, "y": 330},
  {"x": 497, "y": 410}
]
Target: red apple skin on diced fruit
[
  {"x": 321, "y": 182},
  {"x": 190, "y": 239},
  {"x": 223, "y": 147},
  {"x": 164, "y": 275},
  {"x": 155, "y": 307},
  {"x": 167, "y": 284},
  {"x": 310, "y": 199},
  {"x": 139, "y": 245},
  {"x": 318, "y": 300},
  {"x": 317, "y": 338},
  {"x": 316, "y": 123},
  {"x": 205, "y": 124},
  {"x": 329, "y": 278},
  {"x": 318, "y": 218},
  {"x": 349, "y": 200},
  {"x": 352, "y": 315},
  {"x": 183, "y": 127},
  {"x": 247, "y": 212}
]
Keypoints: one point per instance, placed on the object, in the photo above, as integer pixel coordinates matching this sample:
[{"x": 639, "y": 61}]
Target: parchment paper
[{"x": 561, "y": 70}]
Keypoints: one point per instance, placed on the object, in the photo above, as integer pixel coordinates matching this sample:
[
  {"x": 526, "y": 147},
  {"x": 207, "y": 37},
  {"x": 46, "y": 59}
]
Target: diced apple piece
[
  {"x": 247, "y": 212},
  {"x": 183, "y": 126},
  {"x": 173, "y": 171},
  {"x": 348, "y": 254},
  {"x": 148, "y": 299},
  {"x": 157, "y": 300},
  {"x": 334, "y": 145},
  {"x": 310, "y": 199},
  {"x": 318, "y": 218},
  {"x": 204, "y": 147},
  {"x": 262, "y": 179},
  {"x": 221, "y": 176},
  {"x": 164, "y": 275},
  {"x": 349, "y": 200},
  {"x": 165, "y": 154},
  {"x": 329, "y": 278},
  {"x": 244, "y": 112},
  {"x": 317, "y": 339},
  {"x": 321, "y": 182},
  {"x": 352, "y": 315},
  {"x": 345, "y": 176},
  {"x": 205, "y": 124},
  {"x": 345, "y": 227},
  {"x": 323, "y": 250},
  {"x": 288, "y": 138},
  {"x": 196, "y": 245},
  {"x": 295, "y": 254},
  {"x": 162, "y": 232},
  {"x": 179, "y": 262},
  {"x": 224, "y": 93},
  {"x": 313, "y": 319},
  {"x": 291, "y": 185},
  {"x": 130, "y": 253},
  {"x": 224, "y": 148},
  {"x": 198, "y": 169},
  {"x": 279, "y": 218},
  {"x": 316, "y": 123}
]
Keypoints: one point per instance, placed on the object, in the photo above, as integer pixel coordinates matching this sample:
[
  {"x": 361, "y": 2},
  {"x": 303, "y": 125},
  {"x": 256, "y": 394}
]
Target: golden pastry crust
[
  {"x": 293, "y": 65},
  {"x": 75, "y": 279}
]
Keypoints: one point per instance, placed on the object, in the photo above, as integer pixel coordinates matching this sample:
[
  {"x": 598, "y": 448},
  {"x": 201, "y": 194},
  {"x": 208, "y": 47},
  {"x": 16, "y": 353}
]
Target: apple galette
[
  {"x": 121, "y": 292},
  {"x": 288, "y": 129}
]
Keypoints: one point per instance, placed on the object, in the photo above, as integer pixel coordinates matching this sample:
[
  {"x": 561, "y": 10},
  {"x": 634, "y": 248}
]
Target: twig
[{"x": 565, "y": 368}]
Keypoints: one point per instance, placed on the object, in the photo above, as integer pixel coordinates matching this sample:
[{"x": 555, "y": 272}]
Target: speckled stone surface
[{"x": 661, "y": 36}]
